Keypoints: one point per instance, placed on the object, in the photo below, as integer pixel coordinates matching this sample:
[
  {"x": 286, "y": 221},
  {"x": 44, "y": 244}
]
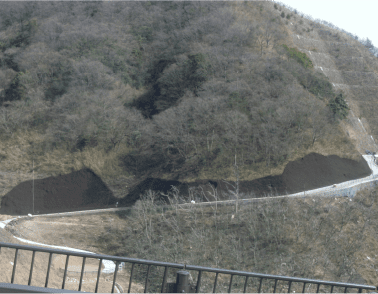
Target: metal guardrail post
[
  {"x": 215, "y": 282},
  {"x": 164, "y": 284},
  {"x": 14, "y": 265},
  {"x": 31, "y": 268},
  {"x": 199, "y": 279},
  {"x": 98, "y": 275},
  {"x": 182, "y": 282}
]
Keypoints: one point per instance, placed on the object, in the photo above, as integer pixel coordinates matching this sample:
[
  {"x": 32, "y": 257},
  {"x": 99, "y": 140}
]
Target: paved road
[
  {"x": 329, "y": 190},
  {"x": 109, "y": 265}
]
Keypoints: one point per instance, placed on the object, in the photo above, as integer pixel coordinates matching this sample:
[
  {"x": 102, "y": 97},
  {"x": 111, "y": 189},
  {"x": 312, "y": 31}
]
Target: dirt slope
[
  {"x": 310, "y": 172},
  {"x": 84, "y": 190},
  {"x": 78, "y": 190}
]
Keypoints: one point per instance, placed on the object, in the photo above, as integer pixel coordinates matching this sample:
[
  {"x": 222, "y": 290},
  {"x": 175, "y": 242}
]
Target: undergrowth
[{"x": 321, "y": 238}]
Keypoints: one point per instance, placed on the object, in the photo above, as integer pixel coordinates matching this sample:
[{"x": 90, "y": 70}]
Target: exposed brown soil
[{"x": 82, "y": 190}]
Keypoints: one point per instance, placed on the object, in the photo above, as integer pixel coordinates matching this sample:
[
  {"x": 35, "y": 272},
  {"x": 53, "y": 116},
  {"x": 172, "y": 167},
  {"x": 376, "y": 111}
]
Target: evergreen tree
[{"x": 339, "y": 107}]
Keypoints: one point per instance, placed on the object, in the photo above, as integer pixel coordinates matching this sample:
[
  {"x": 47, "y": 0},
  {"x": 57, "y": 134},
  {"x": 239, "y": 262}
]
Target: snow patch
[{"x": 3, "y": 224}]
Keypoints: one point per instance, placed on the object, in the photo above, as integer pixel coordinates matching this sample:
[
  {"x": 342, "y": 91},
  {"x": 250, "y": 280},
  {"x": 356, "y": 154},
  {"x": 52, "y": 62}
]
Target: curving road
[{"x": 109, "y": 266}]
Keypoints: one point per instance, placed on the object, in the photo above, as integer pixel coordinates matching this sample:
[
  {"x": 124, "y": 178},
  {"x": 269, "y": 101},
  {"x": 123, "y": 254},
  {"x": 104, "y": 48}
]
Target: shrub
[
  {"x": 238, "y": 102},
  {"x": 143, "y": 34},
  {"x": 317, "y": 84},
  {"x": 283, "y": 14},
  {"x": 60, "y": 80},
  {"x": 339, "y": 107},
  {"x": 275, "y": 6},
  {"x": 301, "y": 22},
  {"x": 195, "y": 71},
  {"x": 288, "y": 16},
  {"x": 16, "y": 90},
  {"x": 300, "y": 57}
]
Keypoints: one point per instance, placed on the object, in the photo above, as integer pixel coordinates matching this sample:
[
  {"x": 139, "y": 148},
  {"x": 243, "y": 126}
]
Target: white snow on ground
[
  {"x": 370, "y": 160},
  {"x": 3, "y": 224}
]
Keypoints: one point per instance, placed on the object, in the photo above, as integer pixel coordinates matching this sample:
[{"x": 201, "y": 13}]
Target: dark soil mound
[
  {"x": 310, "y": 172},
  {"x": 315, "y": 171},
  {"x": 84, "y": 190},
  {"x": 80, "y": 190}
]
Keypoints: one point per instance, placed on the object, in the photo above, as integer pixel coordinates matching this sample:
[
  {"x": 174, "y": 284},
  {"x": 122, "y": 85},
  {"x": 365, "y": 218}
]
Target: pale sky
[{"x": 356, "y": 17}]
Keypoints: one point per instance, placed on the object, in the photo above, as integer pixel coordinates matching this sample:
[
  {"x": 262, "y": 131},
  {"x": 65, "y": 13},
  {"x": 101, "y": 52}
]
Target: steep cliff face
[{"x": 349, "y": 66}]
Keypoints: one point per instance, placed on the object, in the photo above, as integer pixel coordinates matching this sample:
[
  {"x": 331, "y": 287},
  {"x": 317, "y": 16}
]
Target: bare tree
[
  {"x": 260, "y": 41},
  {"x": 318, "y": 119},
  {"x": 174, "y": 129}
]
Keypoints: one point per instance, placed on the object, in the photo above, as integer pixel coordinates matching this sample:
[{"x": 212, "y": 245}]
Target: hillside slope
[
  {"x": 187, "y": 92},
  {"x": 176, "y": 94},
  {"x": 351, "y": 68}
]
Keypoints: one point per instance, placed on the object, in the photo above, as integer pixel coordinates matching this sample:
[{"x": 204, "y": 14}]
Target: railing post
[
  {"x": 182, "y": 282},
  {"x": 164, "y": 285}
]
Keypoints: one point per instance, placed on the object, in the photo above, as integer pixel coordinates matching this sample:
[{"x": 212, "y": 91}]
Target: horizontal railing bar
[
  {"x": 284, "y": 278},
  {"x": 92, "y": 255},
  {"x": 182, "y": 266}
]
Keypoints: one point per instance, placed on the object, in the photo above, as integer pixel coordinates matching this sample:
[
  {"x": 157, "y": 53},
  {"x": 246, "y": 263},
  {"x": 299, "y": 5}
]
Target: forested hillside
[
  {"x": 180, "y": 90},
  {"x": 146, "y": 94}
]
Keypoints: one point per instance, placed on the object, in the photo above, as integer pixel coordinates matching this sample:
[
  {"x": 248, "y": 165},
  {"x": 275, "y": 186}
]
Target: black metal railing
[{"x": 182, "y": 283}]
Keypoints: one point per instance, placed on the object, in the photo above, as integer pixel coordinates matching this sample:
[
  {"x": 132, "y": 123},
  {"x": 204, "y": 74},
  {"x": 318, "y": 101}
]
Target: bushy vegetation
[
  {"x": 339, "y": 107},
  {"x": 320, "y": 238},
  {"x": 302, "y": 58},
  {"x": 169, "y": 85}
]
